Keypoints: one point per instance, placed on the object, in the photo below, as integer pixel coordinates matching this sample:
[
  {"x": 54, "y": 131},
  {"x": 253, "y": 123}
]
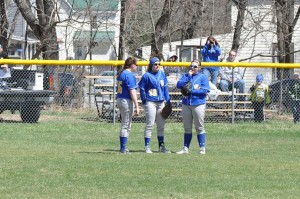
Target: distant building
[{"x": 96, "y": 24}]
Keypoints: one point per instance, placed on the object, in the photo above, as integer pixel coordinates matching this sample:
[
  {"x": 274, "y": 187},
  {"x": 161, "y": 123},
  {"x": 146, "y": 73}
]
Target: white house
[
  {"x": 256, "y": 39},
  {"x": 17, "y": 48},
  {"x": 97, "y": 23},
  {"x": 79, "y": 24}
]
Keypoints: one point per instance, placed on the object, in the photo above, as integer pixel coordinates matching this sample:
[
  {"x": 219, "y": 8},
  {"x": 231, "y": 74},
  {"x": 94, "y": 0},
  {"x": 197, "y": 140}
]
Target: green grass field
[{"x": 70, "y": 157}]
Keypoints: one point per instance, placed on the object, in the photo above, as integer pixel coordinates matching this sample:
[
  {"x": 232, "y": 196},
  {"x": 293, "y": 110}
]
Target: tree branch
[
  {"x": 262, "y": 55},
  {"x": 296, "y": 18}
]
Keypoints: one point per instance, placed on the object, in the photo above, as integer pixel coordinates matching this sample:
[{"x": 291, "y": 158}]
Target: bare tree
[
  {"x": 3, "y": 24},
  {"x": 241, "y": 6},
  {"x": 159, "y": 35},
  {"x": 122, "y": 29},
  {"x": 42, "y": 24},
  {"x": 154, "y": 22},
  {"x": 285, "y": 21}
]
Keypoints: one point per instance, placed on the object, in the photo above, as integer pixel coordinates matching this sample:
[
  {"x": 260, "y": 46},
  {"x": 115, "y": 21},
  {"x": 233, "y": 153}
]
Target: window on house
[
  {"x": 101, "y": 49},
  {"x": 78, "y": 53},
  {"x": 189, "y": 53}
]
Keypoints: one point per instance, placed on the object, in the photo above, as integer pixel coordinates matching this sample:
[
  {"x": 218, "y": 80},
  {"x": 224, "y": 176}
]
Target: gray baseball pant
[
  {"x": 126, "y": 111},
  {"x": 194, "y": 114},
  {"x": 152, "y": 111}
]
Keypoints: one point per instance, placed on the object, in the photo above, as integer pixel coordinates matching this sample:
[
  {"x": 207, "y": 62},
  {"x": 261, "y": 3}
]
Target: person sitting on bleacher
[
  {"x": 4, "y": 70},
  {"x": 214, "y": 92},
  {"x": 228, "y": 80}
]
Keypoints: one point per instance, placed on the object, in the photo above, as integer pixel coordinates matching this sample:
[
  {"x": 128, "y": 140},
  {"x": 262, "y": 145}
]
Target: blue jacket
[
  {"x": 154, "y": 87},
  {"x": 200, "y": 87},
  {"x": 211, "y": 54}
]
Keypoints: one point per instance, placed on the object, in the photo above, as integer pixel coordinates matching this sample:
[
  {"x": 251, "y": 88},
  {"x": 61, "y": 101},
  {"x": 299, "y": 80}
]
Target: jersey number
[
  {"x": 152, "y": 92},
  {"x": 120, "y": 90}
]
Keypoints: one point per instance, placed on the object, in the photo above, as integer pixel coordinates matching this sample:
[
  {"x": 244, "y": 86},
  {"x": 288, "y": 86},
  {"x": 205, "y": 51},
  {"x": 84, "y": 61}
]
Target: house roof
[
  {"x": 98, "y": 35},
  {"x": 100, "y": 5}
]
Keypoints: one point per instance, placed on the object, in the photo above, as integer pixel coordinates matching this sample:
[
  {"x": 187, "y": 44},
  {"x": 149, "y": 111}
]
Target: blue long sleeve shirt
[
  {"x": 211, "y": 54},
  {"x": 154, "y": 87},
  {"x": 200, "y": 87}
]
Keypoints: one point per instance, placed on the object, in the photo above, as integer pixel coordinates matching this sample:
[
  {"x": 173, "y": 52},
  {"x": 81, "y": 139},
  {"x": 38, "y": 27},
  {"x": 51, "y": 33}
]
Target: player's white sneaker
[
  {"x": 147, "y": 149},
  {"x": 184, "y": 150},
  {"x": 202, "y": 150},
  {"x": 163, "y": 149}
]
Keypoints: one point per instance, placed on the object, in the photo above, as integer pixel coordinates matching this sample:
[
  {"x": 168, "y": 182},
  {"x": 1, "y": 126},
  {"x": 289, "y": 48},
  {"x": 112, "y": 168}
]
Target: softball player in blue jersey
[
  {"x": 193, "y": 106},
  {"x": 126, "y": 97},
  {"x": 154, "y": 91}
]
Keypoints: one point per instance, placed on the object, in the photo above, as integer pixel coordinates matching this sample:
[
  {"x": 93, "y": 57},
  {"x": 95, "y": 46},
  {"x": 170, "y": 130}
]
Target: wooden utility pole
[{"x": 122, "y": 29}]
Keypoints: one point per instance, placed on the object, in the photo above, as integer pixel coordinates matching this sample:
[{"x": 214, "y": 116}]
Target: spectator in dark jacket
[{"x": 294, "y": 92}]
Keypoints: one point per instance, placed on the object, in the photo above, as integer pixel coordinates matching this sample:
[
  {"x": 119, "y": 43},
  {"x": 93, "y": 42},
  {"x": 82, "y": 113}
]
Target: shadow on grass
[
  {"x": 11, "y": 121},
  {"x": 90, "y": 119},
  {"x": 111, "y": 151}
]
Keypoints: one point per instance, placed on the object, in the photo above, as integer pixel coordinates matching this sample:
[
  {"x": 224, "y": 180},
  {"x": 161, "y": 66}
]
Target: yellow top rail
[{"x": 145, "y": 63}]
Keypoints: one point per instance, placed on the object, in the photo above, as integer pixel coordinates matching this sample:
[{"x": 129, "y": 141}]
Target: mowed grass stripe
[{"x": 74, "y": 158}]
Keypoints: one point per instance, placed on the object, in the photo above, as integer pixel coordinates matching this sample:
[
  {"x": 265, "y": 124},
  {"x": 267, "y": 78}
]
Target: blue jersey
[
  {"x": 154, "y": 87},
  {"x": 211, "y": 54},
  {"x": 125, "y": 82},
  {"x": 199, "y": 86}
]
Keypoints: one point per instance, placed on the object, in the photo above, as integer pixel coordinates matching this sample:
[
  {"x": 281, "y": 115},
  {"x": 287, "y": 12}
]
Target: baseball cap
[
  {"x": 259, "y": 78},
  {"x": 153, "y": 60}
]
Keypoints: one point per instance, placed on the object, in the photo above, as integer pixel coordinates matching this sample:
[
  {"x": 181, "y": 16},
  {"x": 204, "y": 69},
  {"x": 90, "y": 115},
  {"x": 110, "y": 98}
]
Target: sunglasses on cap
[
  {"x": 194, "y": 66},
  {"x": 156, "y": 64}
]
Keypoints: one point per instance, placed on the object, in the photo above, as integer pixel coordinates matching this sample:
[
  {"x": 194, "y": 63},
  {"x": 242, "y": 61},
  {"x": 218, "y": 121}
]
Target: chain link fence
[
  {"x": 75, "y": 89},
  {"x": 259, "y": 102}
]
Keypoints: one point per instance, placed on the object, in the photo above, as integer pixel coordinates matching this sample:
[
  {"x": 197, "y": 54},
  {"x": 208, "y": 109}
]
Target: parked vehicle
[
  {"x": 25, "y": 92},
  {"x": 70, "y": 90},
  {"x": 106, "y": 77},
  {"x": 105, "y": 82}
]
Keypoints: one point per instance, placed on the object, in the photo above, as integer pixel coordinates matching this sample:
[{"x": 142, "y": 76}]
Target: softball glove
[
  {"x": 166, "y": 111},
  {"x": 186, "y": 90}
]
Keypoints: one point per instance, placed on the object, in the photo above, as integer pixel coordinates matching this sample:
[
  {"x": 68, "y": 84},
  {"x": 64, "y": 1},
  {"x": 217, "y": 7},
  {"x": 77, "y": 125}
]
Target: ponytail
[{"x": 128, "y": 62}]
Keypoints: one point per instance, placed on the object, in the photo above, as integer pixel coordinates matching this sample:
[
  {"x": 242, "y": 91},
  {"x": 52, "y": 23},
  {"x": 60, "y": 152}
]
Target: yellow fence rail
[{"x": 145, "y": 63}]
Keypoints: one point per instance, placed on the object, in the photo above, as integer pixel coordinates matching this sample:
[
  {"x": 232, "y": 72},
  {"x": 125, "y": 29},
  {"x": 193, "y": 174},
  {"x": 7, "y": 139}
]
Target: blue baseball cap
[
  {"x": 259, "y": 78},
  {"x": 153, "y": 60}
]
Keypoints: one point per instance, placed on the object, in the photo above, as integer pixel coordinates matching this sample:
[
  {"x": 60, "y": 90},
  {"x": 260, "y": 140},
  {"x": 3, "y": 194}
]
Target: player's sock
[
  {"x": 123, "y": 141},
  {"x": 201, "y": 139},
  {"x": 187, "y": 139},
  {"x": 147, "y": 141},
  {"x": 160, "y": 140}
]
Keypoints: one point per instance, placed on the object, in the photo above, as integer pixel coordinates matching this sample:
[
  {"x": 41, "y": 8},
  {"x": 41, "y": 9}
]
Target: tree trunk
[
  {"x": 194, "y": 13},
  {"x": 161, "y": 25},
  {"x": 42, "y": 26},
  {"x": 122, "y": 30},
  {"x": 241, "y": 6},
  {"x": 284, "y": 16},
  {"x": 3, "y": 25}
]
